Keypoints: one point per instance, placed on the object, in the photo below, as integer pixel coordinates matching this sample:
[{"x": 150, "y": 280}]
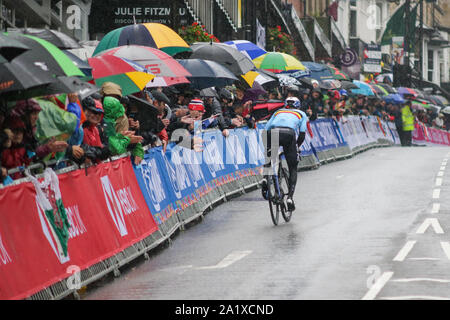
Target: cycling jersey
[{"x": 289, "y": 118}]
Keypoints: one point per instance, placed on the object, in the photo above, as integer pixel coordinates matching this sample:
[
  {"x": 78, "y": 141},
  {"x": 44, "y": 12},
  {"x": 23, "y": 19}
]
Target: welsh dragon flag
[{"x": 48, "y": 196}]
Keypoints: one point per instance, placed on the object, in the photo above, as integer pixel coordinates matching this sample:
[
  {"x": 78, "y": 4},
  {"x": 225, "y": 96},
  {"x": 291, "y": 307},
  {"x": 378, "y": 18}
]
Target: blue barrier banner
[
  {"x": 325, "y": 135},
  {"x": 152, "y": 182}
]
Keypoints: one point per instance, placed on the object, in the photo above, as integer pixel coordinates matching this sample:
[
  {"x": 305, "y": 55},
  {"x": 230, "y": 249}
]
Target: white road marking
[
  {"x": 178, "y": 270},
  {"x": 440, "y": 174},
  {"x": 436, "y": 208},
  {"x": 424, "y": 258},
  {"x": 430, "y": 222},
  {"x": 377, "y": 286},
  {"x": 339, "y": 177},
  {"x": 438, "y": 182},
  {"x": 446, "y": 247},
  {"x": 401, "y": 255},
  {"x": 442, "y": 168},
  {"x": 436, "y": 193},
  {"x": 421, "y": 279},
  {"x": 415, "y": 298},
  {"x": 228, "y": 260}
]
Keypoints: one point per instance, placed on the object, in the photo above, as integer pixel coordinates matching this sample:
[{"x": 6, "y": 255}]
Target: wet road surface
[{"x": 372, "y": 227}]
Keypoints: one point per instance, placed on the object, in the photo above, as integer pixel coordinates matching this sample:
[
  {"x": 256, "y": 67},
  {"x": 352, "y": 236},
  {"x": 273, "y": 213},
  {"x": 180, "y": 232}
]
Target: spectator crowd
[{"x": 111, "y": 124}]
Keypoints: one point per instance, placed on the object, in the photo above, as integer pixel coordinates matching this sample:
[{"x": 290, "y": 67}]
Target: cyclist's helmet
[
  {"x": 292, "y": 102},
  {"x": 343, "y": 92}
]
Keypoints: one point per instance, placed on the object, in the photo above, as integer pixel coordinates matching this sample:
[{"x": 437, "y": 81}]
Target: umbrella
[
  {"x": 87, "y": 49},
  {"x": 227, "y": 56},
  {"x": 278, "y": 62},
  {"x": 416, "y": 106},
  {"x": 394, "y": 98},
  {"x": 81, "y": 64},
  {"x": 383, "y": 91},
  {"x": 209, "y": 92},
  {"x": 58, "y": 39},
  {"x": 318, "y": 71},
  {"x": 252, "y": 76},
  {"x": 338, "y": 74},
  {"x": 46, "y": 56},
  {"x": 248, "y": 48},
  {"x": 446, "y": 110},
  {"x": 378, "y": 91},
  {"x": 387, "y": 87},
  {"x": 286, "y": 81},
  {"x": 206, "y": 73},
  {"x": 348, "y": 85},
  {"x": 363, "y": 88},
  {"x": 254, "y": 92},
  {"x": 167, "y": 70},
  {"x": 407, "y": 91},
  {"x": 131, "y": 76},
  {"x": 11, "y": 48},
  {"x": 440, "y": 100},
  {"x": 153, "y": 35}
]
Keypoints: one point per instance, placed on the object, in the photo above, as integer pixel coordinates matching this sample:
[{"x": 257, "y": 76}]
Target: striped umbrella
[
  {"x": 383, "y": 91},
  {"x": 131, "y": 76},
  {"x": 278, "y": 62},
  {"x": 252, "y": 76},
  {"x": 153, "y": 35},
  {"x": 251, "y": 50},
  {"x": 407, "y": 91},
  {"x": 167, "y": 70}
]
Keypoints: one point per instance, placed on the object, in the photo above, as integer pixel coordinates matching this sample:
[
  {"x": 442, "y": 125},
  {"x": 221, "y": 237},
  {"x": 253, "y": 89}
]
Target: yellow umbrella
[
  {"x": 277, "y": 62},
  {"x": 252, "y": 76}
]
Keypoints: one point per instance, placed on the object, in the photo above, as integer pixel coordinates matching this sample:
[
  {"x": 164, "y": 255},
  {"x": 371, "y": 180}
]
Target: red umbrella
[{"x": 167, "y": 70}]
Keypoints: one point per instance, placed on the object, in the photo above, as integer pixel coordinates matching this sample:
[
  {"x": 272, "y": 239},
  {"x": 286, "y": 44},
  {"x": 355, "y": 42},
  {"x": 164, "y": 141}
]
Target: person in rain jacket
[
  {"x": 120, "y": 139},
  {"x": 16, "y": 155}
]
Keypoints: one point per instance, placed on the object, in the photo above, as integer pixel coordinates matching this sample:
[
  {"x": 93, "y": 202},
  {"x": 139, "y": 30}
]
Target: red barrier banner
[
  {"x": 105, "y": 209},
  {"x": 430, "y": 135}
]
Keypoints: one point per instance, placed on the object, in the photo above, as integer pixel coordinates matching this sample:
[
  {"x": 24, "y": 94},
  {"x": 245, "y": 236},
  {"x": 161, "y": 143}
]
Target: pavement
[{"x": 371, "y": 227}]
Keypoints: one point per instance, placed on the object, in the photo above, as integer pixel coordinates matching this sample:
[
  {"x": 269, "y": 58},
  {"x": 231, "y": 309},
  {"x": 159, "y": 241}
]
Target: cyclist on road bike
[{"x": 291, "y": 124}]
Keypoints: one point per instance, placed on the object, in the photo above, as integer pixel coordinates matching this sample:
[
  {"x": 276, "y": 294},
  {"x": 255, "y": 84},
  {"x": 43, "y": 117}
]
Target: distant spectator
[{"x": 16, "y": 155}]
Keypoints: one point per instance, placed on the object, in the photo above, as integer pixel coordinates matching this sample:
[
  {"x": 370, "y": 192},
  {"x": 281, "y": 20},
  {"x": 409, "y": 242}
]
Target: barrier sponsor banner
[
  {"x": 106, "y": 211},
  {"x": 426, "y": 135}
]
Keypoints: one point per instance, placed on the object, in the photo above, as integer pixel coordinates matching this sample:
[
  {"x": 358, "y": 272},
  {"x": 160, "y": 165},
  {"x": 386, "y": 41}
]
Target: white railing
[{"x": 303, "y": 34}]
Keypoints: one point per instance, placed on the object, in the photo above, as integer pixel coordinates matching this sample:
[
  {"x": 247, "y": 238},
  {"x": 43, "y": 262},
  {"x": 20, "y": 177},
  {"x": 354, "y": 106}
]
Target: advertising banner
[{"x": 106, "y": 213}]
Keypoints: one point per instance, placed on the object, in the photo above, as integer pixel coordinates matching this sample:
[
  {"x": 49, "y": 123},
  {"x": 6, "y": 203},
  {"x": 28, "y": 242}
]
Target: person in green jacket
[
  {"x": 408, "y": 124},
  {"x": 117, "y": 130}
]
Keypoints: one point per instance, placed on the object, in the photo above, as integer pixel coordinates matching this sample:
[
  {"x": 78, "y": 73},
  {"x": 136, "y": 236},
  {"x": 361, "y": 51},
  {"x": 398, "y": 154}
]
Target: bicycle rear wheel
[
  {"x": 273, "y": 206},
  {"x": 283, "y": 174}
]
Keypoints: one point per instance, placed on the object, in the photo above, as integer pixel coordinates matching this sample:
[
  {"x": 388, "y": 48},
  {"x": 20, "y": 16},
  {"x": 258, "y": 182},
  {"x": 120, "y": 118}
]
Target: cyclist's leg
[
  {"x": 288, "y": 141},
  {"x": 267, "y": 164}
]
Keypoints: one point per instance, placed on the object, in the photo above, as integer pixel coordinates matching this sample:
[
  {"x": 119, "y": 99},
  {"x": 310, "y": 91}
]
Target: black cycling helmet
[
  {"x": 226, "y": 95},
  {"x": 293, "y": 88}
]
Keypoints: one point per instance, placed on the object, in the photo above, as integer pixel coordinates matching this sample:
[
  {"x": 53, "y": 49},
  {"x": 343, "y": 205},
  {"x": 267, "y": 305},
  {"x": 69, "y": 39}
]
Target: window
[
  {"x": 353, "y": 23},
  {"x": 430, "y": 65}
]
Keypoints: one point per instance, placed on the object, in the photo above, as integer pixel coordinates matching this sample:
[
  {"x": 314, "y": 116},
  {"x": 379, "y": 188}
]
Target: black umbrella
[
  {"x": 209, "y": 93},
  {"x": 81, "y": 64},
  {"x": 226, "y": 55},
  {"x": 16, "y": 78},
  {"x": 348, "y": 85},
  {"x": 387, "y": 87},
  {"x": 10, "y": 48},
  {"x": 206, "y": 74},
  {"x": 59, "y": 39}
]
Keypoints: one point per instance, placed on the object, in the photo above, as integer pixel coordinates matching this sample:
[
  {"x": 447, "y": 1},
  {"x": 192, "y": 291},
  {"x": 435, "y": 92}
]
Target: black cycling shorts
[{"x": 288, "y": 141}]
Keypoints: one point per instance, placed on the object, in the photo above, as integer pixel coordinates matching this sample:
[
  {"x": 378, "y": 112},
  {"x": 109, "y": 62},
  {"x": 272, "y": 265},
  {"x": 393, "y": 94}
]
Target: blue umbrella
[
  {"x": 364, "y": 89},
  {"x": 394, "y": 98},
  {"x": 248, "y": 48},
  {"x": 318, "y": 71}
]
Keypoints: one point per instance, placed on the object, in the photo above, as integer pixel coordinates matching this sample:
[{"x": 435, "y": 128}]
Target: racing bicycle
[{"x": 277, "y": 190}]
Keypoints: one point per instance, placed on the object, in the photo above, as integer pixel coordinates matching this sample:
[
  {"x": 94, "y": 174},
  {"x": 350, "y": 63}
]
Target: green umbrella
[
  {"x": 338, "y": 74},
  {"x": 46, "y": 56}
]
